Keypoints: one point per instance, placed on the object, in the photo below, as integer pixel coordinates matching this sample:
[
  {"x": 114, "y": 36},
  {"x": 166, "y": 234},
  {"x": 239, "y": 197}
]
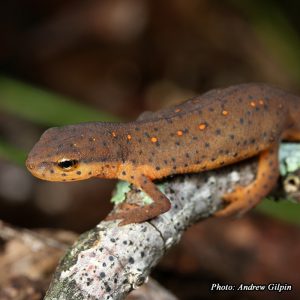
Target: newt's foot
[
  {"x": 239, "y": 201},
  {"x": 137, "y": 214}
]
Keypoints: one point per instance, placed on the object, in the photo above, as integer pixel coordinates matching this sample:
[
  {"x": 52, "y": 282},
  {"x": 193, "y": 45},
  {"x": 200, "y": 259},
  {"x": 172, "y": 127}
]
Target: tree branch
[{"x": 109, "y": 261}]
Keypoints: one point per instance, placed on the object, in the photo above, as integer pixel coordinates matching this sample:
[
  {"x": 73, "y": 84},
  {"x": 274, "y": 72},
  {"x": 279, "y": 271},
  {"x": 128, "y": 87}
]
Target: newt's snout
[
  {"x": 37, "y": 169},
  {"x": 29, "y": 164}
]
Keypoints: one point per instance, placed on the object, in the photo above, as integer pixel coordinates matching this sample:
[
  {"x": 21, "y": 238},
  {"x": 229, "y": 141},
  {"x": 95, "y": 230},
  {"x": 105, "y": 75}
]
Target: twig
[{"x": 109, "y": 261}]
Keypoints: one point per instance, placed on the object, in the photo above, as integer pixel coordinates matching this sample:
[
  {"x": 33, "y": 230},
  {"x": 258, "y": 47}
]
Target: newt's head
[{"x": 70, "y": 153}]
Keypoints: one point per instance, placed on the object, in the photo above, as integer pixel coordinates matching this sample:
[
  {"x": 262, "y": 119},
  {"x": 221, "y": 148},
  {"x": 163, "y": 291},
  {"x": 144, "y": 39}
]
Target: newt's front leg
[
  {"x": 161, "y": 204},
  {"x": 244, "y": 198}
]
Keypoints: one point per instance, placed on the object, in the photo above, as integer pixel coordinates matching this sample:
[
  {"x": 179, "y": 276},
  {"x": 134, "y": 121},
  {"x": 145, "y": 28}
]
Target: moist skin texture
[{"x": 218, "y": 128}]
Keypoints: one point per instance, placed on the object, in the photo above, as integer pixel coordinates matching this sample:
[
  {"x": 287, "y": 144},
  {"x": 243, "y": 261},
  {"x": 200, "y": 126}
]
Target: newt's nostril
[{"x": 29, "y": 165}]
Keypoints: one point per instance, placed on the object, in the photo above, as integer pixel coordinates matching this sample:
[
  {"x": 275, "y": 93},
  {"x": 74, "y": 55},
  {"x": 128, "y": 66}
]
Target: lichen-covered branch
[{"x": 109, "y": 261}]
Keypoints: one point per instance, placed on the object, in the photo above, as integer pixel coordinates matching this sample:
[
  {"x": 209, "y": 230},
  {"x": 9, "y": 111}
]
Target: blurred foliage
[
  {"x": 11, "y": 153},
  {"x": 273, "y": 27},
  {"x": 284, "y": 210},
  {"x": 43, "y": 107}
]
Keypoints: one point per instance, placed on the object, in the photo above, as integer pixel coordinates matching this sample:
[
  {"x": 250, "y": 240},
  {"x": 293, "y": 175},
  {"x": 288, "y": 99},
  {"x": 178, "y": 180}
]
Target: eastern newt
[{"x": 218, "y": 128}]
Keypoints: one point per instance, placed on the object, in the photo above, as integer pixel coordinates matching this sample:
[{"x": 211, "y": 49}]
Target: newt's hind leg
[
  {"x": 244, "y": 198},
  {"x": 161, "y": 204}
]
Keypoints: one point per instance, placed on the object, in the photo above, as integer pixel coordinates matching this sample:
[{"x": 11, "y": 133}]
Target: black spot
[
  {"x": 104, "y": 144},
  {"x": 157, "y": 168},
  {"x": 137, "y": 129},
  {"x": 173, "y": 159},
  {"x": 124, "y": 173},
  {"x": 231, "y": 136},
  {"x": 207, "y": 145},
  {"x": 195, "y": 138},
  {"x": 90, "y": 173},
  {"x": 63, "y": 174},
  {"x": 78, "y": 173},
  {"x": 187, "y": 155},
  {"x": 241, "y": 121},
  {"x": 155, "y": 129},
  {"x": 131, "y": 260},
  {"x": 51, "y": 171},
  {"x": 111, "y": 258},
  {"x": 250, "y": 96},
  {"x": 211, "y": 109},
  {"x": 150, "y": 160},
  {"x": 146, "y": 134},
  {"x": 177, "y": 143},
  {"x": 218, "y": 131}
]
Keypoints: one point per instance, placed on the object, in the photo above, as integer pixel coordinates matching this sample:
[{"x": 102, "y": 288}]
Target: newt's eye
[{"x": 67, "y": 164}]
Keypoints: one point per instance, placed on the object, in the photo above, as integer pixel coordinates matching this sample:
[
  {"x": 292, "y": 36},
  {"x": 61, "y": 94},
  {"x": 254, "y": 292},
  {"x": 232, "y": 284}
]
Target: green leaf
[
  {"x": 284, "y": 210},
  {"x": 44, "y": 107},
  {"x": 11, "y": 153}
]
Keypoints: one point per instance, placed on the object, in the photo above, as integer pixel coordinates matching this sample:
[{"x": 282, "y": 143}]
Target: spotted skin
[{"x": 215, "y": 129}]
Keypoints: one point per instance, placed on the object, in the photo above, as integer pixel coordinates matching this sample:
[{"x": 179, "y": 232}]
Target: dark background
[{"x": 67, "y": 61}]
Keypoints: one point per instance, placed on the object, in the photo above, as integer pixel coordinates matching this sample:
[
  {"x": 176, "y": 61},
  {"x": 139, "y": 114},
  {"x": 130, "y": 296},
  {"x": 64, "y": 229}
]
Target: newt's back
[{"x": 211, "y": 130}]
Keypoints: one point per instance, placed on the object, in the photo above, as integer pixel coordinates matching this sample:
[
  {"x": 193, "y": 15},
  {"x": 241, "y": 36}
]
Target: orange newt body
[{"x": 215, "y": 129}]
